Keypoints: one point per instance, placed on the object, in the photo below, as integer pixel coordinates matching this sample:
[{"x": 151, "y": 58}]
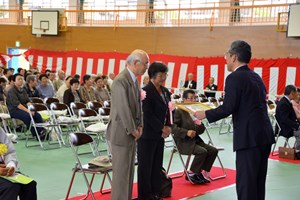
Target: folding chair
[
  {"x": 92, "y": 124},
  {"x": 226, "y": 122},
  {"x": 6, "y": 120},
  {"x": 104, "y": 113},
  {"x": 36, "y": 100},
  {"x": 80, "y": 139},
  {"x": 75, "y": 107},
  {"x": 277, "y": 135},
  {"x": 43, "y": 110},
  {"x": 187, "y": 163},
  {"x": 94, "y": 105},
  {"x": 61, "y": 115},
  {"x": 50, "y": 100}
]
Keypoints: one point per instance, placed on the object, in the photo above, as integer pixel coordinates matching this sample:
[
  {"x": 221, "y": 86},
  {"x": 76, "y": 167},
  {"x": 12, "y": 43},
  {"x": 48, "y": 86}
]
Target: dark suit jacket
[
  {"x": 69, "y": 97},
  {"x": 183, "y": 122},
  {"x": 286, "y": 117},
  {"x": 212, "y": 87},
  {"x": 156, "y": 112},
  {"x": 245, "y": 99},
  {"x": 193, "y": 86}
]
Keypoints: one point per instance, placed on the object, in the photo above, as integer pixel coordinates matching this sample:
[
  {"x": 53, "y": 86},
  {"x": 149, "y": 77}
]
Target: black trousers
[
  {"x": 251, "y": 172},
  {"x": 11, "y": 191},
  {"x": 150, "y": 159}
]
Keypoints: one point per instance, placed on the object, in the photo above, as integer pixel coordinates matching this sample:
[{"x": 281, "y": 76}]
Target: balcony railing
[{"x": 208, "y": 16}]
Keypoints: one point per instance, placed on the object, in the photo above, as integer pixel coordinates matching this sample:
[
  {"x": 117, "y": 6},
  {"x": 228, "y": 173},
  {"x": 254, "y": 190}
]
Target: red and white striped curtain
[{"x": 276, "y": 73}]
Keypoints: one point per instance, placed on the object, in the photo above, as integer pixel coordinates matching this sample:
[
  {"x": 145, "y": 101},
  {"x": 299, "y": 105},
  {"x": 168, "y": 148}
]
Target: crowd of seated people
[{"x": 17, "y": 90}]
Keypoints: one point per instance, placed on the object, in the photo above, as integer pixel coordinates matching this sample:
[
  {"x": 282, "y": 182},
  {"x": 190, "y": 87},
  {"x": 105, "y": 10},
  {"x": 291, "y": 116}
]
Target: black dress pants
[
  {"x": 11, "y": 191},
  {"x": 150, "y": 159},
  {"x": 251, "y": 172}
]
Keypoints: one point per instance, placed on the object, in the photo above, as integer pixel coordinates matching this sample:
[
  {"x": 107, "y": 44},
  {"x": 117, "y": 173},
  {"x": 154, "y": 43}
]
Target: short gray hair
[
  {"x": 30, "y": 78},
  {"x": 135, "y": 55}
]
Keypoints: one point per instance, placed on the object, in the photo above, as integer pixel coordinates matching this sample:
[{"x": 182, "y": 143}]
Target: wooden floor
[{"x": 52, "y": 171}]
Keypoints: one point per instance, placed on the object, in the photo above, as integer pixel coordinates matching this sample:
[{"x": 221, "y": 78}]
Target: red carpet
[
  {"x": 182, "y": 189},
  {"x": 283, "y": 159}
]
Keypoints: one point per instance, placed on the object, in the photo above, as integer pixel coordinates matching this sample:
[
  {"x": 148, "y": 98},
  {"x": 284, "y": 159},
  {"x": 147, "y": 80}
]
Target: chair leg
[
  {"x": 184, "y": 164},
  {"x": 220, "y": 176},
  {"x": 70, "y": 186},
  {"x": 103, "y": 181}
]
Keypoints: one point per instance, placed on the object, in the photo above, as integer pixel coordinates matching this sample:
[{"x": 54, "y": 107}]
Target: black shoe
[
  {"x": 202, "y": 178},
  {"x": 193, "y": 178}
]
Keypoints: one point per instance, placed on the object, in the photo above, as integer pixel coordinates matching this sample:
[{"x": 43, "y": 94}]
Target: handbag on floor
[{"x": 287, "y": 153}]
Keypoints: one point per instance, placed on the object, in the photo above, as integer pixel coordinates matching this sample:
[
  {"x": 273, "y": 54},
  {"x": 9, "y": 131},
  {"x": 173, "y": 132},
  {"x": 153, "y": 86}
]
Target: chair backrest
[
  {"x": 58, "y": 106},
  {"x": 35, "y": 107},
  {"x": 78, "y": 139},
  {"x": 36, "y": 100},
  {"x": 94, "y": 105},
  {"x": 86, "y": 112},
  {"x": 50, "y": 100},
  {"x": 203, "y": 100},
  {"x": 76, "y": 106},
  {"x": 104, "y": 111},
  {"x": 202, "y": 96}
]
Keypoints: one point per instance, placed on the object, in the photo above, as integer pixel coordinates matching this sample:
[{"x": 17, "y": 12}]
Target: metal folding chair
[
  {"x": 187, "y": 163},
  {"x": 61, "y": 117},
  {"x": 49, "y": 125},
  {"x": 80, "y": 139},
  {"x": 277, "y": 135}
]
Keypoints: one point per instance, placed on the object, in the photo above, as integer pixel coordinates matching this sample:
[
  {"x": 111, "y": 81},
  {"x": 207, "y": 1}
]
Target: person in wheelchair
[{"x": 186, "y": 130}]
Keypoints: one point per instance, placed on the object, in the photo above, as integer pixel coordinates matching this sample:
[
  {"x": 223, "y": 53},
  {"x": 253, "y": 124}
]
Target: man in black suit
[
  {"x": 212, "y": 87},
  {"x": 286, "y": 117},
  {"x": 245, "y": 99},
  {"x": 190, "y": 83}
]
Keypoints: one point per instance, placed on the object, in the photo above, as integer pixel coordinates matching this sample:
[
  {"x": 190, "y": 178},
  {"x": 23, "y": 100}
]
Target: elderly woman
[
  {"x": 87, "y": 91},
  {"x": 72, "y": 94},
  {"x": 156, "y": 128},
  {"x": 17, "y": 101}
]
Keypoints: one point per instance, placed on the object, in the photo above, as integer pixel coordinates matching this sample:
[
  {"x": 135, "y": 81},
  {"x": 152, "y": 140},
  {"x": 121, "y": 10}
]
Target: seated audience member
[
  {"x": 45, "y": 89},
  {"x": 72, "y": 94},
  {"x": 296, "y": 104},
  {"x": 190, "y": 83},
  {"x": 106, "y": 85},
  {"x": 77, "y": 76},
  {"x": 212, "y": 87},
  {"x": 51, "y": 75},
  {"x": 145, "y": 81},
  {"x": 286, "y": 117},
  {"x": 10, "y": 84},
  {"x": 8, "y": 166},
  {"x": 2, "y": 87},
  {"x": 21, "y": 71},
  {"x": 86, "y": 91},
  {"x": 7, "y": 72},
  {"x": 101, "y": 93},
  {"x": 30, "y": 86},
  {"x": 60, "y": 92},
  {"x": 186, "y": 130},
  {"x": 17, "y": 102},
  {"x": 111, "y": 77},
  {"x": 60, "y": 81}
]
